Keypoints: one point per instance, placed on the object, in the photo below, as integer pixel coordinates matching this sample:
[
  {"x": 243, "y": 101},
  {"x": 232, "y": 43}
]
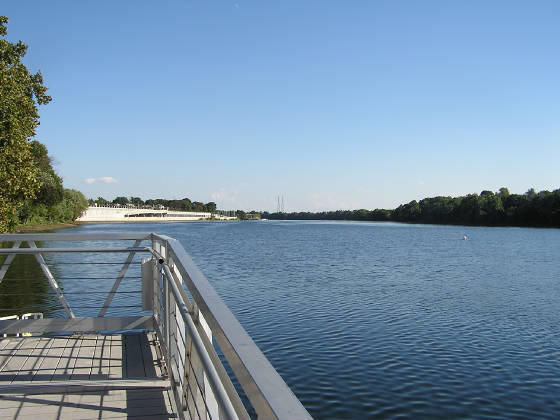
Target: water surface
[{"x": 391, "y": 321}]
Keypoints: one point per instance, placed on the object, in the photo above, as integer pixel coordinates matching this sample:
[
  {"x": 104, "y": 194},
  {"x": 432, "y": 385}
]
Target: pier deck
[
  {"x": 124, "y": 325},
  {"x": 83, "y": 377}
]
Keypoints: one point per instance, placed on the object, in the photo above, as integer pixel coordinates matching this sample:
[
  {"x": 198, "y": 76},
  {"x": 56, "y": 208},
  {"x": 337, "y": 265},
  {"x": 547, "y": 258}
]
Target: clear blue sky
[{"x": 332, "y": 104}]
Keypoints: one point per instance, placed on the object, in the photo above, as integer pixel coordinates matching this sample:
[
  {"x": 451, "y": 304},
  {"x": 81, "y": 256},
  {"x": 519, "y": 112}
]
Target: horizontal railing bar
[
  {"x": 67, "y": 278},
  {"x": 59, "y": 325},
  {"x": 77, "y": 386},
  {"x": 58, "y": 237},
  {"x": 18, "y": 251},
  {"x": 91, "y": 263},
  {"x": 76, "y": 278},
  {"x": 267, "y": 391},
  {"x": 25, "y": 309},
  {"x": 48, "y": 293},
  {"x": 98, "y": 278},
  {"x": 223, "y": 374},
  {"x": 15, "y": 265},
  {"x": 213, "y": 377}
]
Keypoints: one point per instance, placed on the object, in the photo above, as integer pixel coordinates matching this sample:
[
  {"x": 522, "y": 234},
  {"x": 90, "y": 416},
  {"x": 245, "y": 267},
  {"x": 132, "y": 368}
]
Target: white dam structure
[{"x": 134, "y": 214}]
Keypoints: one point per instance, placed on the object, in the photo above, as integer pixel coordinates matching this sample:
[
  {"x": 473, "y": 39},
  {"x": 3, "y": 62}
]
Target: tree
[
  {"x": 20, "y": 93},
  {"x": 211, "y": 207},
  {"x": 73, "y": 205},
  {"x": 504, "y": 193},
  {"x": 51, "y": 190},
  {"x": 123, "y": 201},
  {"x": 137, "y": 201},
  {"x": 198, "y": 206},
  {"x": 530, "y": 194}
]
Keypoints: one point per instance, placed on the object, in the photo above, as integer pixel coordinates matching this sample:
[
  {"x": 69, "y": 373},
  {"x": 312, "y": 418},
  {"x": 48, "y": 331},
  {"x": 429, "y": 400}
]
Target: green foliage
[
  {"x": 121, "y": 201},
  {"x": 182, "y": 205},
  {"x": 487, "y": 209},
  {"x": 72, "y": 206},
  {"x": 51, "y": 190},
  {"x": 198, "y": 206},
  {"x": 101, "y": 201},
  {"x": 31, "y": 192},
  {"x": 20, "y": 93},
  {"x": 137, "y": 201}
]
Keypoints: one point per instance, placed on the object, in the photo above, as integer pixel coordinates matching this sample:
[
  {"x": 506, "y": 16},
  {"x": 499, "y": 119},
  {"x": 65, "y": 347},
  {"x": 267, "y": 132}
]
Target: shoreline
[{"x": 45, "y": 227}]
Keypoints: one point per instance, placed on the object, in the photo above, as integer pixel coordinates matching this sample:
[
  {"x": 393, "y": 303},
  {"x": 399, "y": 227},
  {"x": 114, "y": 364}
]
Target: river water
[{"x": 389, "y": 321}]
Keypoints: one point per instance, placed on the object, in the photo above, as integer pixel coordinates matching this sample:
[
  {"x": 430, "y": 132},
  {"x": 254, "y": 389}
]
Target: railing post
[
  {"x": 147, "y": 271},
  {"x": 166, "y": 310},
  {"x": 52, "y": 281},
  {"x": 119, "y": 279},
  {"x": 8, "y": 261}
]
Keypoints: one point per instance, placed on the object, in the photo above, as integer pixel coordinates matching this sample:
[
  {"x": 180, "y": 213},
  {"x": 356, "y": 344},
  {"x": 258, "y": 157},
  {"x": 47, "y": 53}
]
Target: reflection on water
[
  {"x": 85, "y": 280},
  {"x": 375, "y": 320},
  {"x": 25, "y": 287}
]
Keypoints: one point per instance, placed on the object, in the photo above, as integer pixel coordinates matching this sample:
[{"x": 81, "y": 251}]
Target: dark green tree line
[
  {"x": 485, "y": 209},
  {"x": 181, "y": 205}
]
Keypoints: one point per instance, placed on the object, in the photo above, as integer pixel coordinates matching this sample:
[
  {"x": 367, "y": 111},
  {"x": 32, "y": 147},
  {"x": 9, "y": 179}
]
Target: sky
[{"x": 328, "y": 104}]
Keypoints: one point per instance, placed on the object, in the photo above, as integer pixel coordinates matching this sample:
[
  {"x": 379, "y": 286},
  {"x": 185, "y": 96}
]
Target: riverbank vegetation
[
  {"x": 184, "y": 204},
  {"x": 31, "y": 192},
  {"x": 485, "y": 209}
]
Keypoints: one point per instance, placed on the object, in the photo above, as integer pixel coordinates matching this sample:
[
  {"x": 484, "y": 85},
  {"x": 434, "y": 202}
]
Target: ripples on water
[{"x": 388, "y": 321}]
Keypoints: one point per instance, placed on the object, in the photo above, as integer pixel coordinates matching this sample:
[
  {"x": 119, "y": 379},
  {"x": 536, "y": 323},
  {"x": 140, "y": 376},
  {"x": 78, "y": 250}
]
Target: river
[{"x": 390, "y": 321}]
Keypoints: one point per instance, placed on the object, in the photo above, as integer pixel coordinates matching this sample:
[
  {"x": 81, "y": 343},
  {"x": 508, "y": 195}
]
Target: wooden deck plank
[
  {"x": 134, "y": 364},
  {"x": 82, "y": 367},
  {"x": 64, "y": 364},
  {"x": 52, "y": 360},
  {"x": 64, "y": 408},
  {"x": 116, "y": 361},
  {"x": 37, "y": 369},
  {"x": 13, "y": 364},
  {"x": 71, "y": 359},
  {"x": 73, "y": 377},
  {"x": 8, "y": 346},
  {"x": 99, "y": 363},
  {"x": 33, "y": 360}
]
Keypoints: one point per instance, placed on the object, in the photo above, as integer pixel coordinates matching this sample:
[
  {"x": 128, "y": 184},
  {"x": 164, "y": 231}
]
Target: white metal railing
[{"x": 189, "y": 318}]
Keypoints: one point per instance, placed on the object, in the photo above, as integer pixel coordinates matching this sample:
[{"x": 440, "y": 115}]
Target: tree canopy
[
  {"x": 485, "y": 209},
  {"x": 184, "y": 204},
  {"x": 20, "y": 93},
  {"x": 31, "y": 192}
]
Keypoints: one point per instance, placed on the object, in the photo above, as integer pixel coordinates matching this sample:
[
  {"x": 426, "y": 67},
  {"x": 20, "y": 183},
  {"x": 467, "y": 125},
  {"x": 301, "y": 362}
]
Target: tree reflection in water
[{"x": 24, "y": 287}]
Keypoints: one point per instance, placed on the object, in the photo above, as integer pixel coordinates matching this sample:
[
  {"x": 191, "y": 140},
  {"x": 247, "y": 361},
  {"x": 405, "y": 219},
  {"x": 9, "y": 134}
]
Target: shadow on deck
[{"x": 83, "y": 377}]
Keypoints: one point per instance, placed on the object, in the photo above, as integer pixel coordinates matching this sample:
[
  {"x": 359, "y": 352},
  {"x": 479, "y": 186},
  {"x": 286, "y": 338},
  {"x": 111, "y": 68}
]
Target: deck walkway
[{"x": 82, "y": 377}]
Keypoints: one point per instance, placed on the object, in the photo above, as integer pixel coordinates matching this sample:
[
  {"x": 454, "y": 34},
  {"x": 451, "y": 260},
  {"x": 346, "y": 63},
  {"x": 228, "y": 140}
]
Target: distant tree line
[
  {"x": 182, "y": 205},
  {"x": 485, "y": 209}
]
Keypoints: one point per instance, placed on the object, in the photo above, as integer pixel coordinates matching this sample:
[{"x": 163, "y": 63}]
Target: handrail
[
  {"x": 269, "y": 395},
  {"x": 265, "y": 388},
  {"x": 215, "y": 381},
  {"x": 73, "y": 250},
  {"x": 57, "y": 237}
]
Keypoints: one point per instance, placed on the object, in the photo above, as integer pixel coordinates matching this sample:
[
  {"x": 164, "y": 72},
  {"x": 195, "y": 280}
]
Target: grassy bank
[{"x": 44, "y": 228}]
